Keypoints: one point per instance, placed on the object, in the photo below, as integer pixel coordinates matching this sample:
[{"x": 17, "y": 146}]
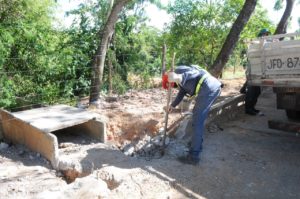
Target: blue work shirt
[{"x": 190, "y": 78}]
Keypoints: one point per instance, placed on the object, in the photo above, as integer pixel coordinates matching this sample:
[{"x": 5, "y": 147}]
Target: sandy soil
[{"x": 243, "y": 160}]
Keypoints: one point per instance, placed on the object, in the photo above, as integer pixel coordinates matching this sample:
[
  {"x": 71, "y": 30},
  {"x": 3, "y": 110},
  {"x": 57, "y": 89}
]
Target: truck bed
[{"x": 274, "y": 61}]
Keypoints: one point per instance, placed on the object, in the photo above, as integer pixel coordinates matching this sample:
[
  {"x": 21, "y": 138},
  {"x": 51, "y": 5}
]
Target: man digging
[{"x": 195, "y": 81}]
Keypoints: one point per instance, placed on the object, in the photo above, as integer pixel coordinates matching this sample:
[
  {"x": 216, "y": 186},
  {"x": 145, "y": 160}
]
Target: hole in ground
[
  {"x": 74, "y": 136},
  {"x": 70, "y": 141}
]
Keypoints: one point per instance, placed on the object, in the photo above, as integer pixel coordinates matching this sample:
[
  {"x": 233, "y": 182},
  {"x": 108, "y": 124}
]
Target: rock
[
  {"x": 128, "y": 149},
  {"x": 3, "y": 146},
  {"x": 66, "y": 145},
  {"x": 67, "y": 164},
  {"x": 157, "y": 140},
  {"x": 161, "y": 130},
  {"x": 87, "y": 187},
  {"x": 142, "y": 143},
  {"x": 59, "y": 174},
  {"x": 147, "y": 138},
  {"x": 70, "y": 168},
  {"x": 214, "y": 128},
  {"x": 167, "y": 141},
  {"x": 111, "y": 99},
  {"x": 177, "y": 149},
  {"x": 148, "y": 147},
  {"x": 183, "y": 129},
  {"x": 21, "y": 153},
  {"x": 110, "y": 179}
]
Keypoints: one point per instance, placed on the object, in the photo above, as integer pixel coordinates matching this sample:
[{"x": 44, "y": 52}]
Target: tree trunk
[
  {"x": 233, "y": 37},
  {"x": 110, "y": 67},
  {"x": 282, "y": 26},
  {"x": 99, "y": 58}
]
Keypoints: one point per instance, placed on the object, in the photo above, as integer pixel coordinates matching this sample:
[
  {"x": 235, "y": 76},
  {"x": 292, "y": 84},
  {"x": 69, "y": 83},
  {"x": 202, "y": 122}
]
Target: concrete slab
[
  {"x": 227, "y": 108},
  {"x": 53, "y": 118},
  {"x": 34, "y": 128}
]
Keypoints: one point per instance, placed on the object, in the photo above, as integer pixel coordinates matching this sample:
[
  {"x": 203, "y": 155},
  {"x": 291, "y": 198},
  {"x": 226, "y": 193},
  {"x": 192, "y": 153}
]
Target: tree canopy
[{"x": 43, "y": 64}]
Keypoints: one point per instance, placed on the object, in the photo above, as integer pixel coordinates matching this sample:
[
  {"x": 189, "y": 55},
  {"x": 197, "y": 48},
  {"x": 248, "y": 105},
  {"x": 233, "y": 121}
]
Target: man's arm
[{"x": 178, "y": 98}]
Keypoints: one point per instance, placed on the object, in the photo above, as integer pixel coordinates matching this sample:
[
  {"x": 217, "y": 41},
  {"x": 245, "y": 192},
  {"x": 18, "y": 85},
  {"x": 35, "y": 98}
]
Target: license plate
[{"x": 289, "y": 63}]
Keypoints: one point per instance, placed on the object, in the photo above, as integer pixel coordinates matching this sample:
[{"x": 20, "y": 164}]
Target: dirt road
[{"x": 244, "y": 160}]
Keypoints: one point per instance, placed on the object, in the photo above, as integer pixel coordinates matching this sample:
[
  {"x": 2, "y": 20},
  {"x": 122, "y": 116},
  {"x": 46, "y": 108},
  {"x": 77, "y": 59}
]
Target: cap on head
[
  {"x": 264, "y": 31},
  {"x": 182, "y": 69}
]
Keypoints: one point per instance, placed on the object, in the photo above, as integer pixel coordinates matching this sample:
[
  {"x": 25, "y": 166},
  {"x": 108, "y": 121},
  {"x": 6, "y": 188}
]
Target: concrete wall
[
  {"x": 31, "y": 134},
  {"x": 23, "y": 133}
]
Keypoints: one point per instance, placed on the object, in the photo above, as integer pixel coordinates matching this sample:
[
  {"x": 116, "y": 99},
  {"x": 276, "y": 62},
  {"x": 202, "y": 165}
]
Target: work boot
[
  {"x": 188, "y": 159},
  {"x": 256, "y": 111},
  {"x": 250, "y": 112}
]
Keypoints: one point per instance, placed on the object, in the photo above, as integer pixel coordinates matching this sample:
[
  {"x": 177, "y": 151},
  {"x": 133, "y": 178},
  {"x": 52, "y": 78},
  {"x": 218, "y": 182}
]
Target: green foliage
[
  {"x": 32, "y": 57},
  {"x": 119, "y": 85},
  {"x": 134, "y": 47},
  {"x": 200, "y": 28},
  {"x": 258, "y": 20},
  {"x": 41, "y": 64},
  {"x": 278, "y": 5}
]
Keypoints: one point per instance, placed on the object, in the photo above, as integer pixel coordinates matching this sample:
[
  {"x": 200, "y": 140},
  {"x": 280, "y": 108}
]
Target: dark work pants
[
  {"x": 209, "y": 91},
  {"x": 252, "y": 93}
]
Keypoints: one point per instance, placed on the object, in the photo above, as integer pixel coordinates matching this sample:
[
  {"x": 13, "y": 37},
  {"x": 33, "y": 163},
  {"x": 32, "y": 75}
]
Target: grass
[{"x": 230, "y": 74}]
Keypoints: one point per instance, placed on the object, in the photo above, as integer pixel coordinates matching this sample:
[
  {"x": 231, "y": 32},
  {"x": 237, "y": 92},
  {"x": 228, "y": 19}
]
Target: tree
[
  {"x": 199, "y": 28},
  {"x": 282, "y": 25},
  {"x": 99, "y": 58},
  {"x": 32, "y": 63},
  {"x": 233, "y": 37}
]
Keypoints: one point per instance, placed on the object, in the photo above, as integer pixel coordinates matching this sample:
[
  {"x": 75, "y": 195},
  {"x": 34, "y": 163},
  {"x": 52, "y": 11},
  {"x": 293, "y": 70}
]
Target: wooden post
[
  {"x": 164, "y": 52},
  {"x": 168, "y": 107}
]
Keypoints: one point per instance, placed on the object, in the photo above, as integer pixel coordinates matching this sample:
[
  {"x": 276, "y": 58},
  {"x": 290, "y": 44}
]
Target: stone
[
  {"x": 67, "y": 164},
  {"x": 21, "y": 153},
  {"x": 157, "y": 140},
  {"x": 183, "y": 129},
  {"x": 3, "y": 146},
  {"x": 86, "y": 187},
  {"x": 212, "y": 128},
  {"x": 128, "y": 149}
]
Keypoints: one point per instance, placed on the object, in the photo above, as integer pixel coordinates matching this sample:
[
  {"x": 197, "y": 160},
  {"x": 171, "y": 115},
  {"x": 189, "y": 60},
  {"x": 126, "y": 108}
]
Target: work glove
[{"x": 173, "y": 77}]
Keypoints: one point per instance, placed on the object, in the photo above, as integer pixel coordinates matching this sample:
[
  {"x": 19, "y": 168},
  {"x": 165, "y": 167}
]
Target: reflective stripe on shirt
[{"x": 200, "y": 83}]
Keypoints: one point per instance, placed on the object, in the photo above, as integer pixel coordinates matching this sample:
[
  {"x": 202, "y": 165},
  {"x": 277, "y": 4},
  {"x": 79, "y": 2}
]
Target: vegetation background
[{"x": 43, "y": 64}]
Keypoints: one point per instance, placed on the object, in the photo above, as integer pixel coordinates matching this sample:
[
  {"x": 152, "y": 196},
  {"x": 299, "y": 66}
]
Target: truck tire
[{"x": 292, "y": 114}]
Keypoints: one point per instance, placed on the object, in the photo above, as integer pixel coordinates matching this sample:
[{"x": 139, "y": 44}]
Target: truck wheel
[{"x": 292, "y": 114}]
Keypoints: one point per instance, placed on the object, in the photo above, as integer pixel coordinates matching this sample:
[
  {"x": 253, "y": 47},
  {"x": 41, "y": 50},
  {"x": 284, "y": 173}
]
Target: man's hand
[{"x": 171, "y": 108}]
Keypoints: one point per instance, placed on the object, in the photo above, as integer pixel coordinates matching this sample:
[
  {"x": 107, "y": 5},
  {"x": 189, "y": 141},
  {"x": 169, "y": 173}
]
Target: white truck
[{"x": 275, "y": 61}]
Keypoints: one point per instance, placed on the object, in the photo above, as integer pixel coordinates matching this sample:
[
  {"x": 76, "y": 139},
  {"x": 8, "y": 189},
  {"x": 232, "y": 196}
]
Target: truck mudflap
[{"x": 289, "y": 101}]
